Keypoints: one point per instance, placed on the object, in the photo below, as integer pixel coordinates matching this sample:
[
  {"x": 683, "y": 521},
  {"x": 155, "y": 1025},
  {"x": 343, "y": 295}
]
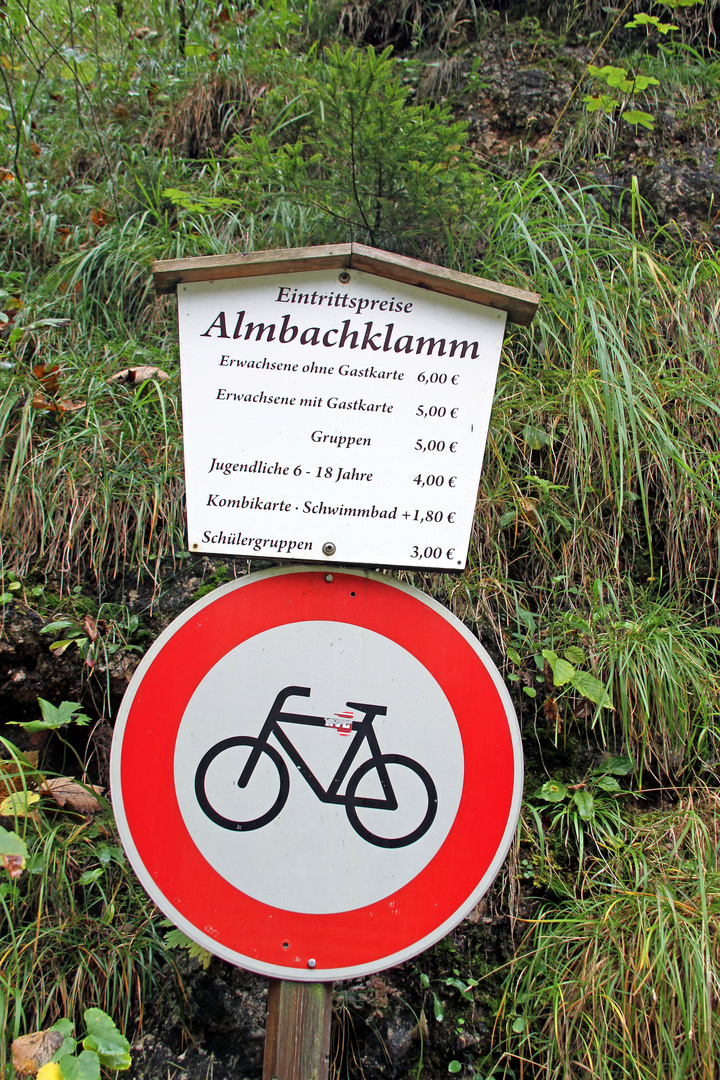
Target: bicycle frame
[{"x": 363, "y": 729}]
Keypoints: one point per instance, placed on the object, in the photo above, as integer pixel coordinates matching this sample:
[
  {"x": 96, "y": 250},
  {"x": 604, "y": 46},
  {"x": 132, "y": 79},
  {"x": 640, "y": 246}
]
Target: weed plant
[
  {"x": 76, "y": 930},
  {"x": 623, "y": 982}
]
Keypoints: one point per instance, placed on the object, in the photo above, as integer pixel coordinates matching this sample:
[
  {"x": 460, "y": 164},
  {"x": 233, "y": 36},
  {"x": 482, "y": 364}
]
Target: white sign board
[{"x": 337, "y": 417}]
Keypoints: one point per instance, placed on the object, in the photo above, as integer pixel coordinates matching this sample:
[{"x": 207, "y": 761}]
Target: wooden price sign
[{"x": 336, "y": 403}]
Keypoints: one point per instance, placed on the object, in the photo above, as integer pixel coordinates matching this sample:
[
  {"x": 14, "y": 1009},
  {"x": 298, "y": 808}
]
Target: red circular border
[{"x": 248, "y": 927}]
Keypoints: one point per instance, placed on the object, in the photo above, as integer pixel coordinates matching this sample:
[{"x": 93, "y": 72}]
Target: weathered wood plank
[
  {"x": 168, "y": 273},
  {"x": 519, "y": 304},
  {"x": 297, "y": 1031}
]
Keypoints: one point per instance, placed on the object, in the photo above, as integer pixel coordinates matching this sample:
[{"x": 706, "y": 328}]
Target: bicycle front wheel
[
  {"x": 415, "y": 795},
  {"x": 224, "y": 801}
]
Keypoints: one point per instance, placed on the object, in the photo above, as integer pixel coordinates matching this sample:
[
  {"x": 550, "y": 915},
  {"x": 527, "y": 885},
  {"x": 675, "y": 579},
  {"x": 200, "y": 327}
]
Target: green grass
[
  {"x": 76, "y": 929},
  {"x": 622, "y": 983}
]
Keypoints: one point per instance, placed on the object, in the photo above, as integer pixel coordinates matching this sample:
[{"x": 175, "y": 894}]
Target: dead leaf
[
  {"x": 67, "y": 792},
  {"x": 35, "y": 149},
  {"x": 14, "y": 864},
  {"x": 39, "y": 401},
  {"x": 11, "y": 774},
  {"x": 138, "y": 375},
  {"x": 31, "y": 1052},
  {"x": 100, "y": 217},
  {"x": 552, "y": 714},
  {"x": 47, "y": 376},
  {"x": 90, "y": 628},
  {"x": 141, "y": 32},
  {"x": 5, "y": 174}
]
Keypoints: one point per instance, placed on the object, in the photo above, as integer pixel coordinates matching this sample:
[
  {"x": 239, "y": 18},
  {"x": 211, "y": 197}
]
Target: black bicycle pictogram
[{"x": 351, "y": 800}]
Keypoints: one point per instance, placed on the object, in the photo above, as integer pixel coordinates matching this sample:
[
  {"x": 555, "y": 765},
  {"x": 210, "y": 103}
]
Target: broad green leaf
[
  {"x": 553, "y": 791},
  {"x": 424, "y": 981},
  {"x": 61, "y": 624},
  {"x": 507, "y": 519},
  {"x": 12, "y": 844},
  {"x": 64, "y": 1026},
  {"x": 103, "y": 1037},
  {"x": 90, "y": 876},
  {"x": 536, "y": 438},
  {"x": 514, "y": 656},
  {"x": 530, "y": 691},
  {"x": 519, "y": 1025},
  {"x": 550, "y": 656},
  {"x": 592, "y": 689},
  {"x": 643, "y": 19},
  {"x": 618, "y": 766},
  {"x": 55, "y": 716},
  {"x": 563, "y": 672},
  {"x": 454, "y": 1067},
  {"x": 575, "y": 655},
  {"x": 600, "y": 103},
  {"x": 585, "y": 804},
  {"x": 86, "y": 1066},
  {"x": 438, "y": 1009},
  {"x": 608, "y": 783},
  {"x": 636, "y": 116}
]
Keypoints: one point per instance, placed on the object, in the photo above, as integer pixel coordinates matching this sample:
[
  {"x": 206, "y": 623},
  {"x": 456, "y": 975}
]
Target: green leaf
[
  {"x": 575, "y": 655},
  {"x": 553, "y": 791},
  {"x": 84, "y": 1067},
  {"x": 507, "y": 519},
  {"x": 550, "y": 656},
  {"x": 424, "y": 981},
  {"x": 454, "y": 1067},
  {"x": 62, "y": 624},
  {"x": 636, "y": 116},
  {"x": 592, "y": 689},
  {"x": 563, "y": 672},
  {"x": 618, "y": 766},
  {"x": 608, "y": 783},
  {"x": 90, "y": 876},
  {"x": 519, "y": 1025},
  {"x": 64, "y": 1026},
  {"x": 530, "y": 691},
  {"x": 106, "y": 1041},
  {"x": 54, "y": 716},
  {"x": 585, "y": 804},
  {"x": 18, "y": 803},
  {"x": 536, "y": 438},
  {"x": 69, "y": 1045},
  {"x": 514, "y": 656},
  {"x": 12, "y": 844},
  {"x": 176, "y": 939},
  {"x": 438, "y": 1010},
  {"x": 600, "y": 103}
]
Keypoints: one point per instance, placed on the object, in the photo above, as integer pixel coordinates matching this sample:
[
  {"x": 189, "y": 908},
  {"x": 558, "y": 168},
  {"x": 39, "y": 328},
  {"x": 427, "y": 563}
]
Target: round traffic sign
[{"x": 316, "y": 775}]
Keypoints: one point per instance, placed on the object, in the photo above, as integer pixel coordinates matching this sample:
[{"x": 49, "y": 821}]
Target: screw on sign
[{"x": 273, "y": 842}]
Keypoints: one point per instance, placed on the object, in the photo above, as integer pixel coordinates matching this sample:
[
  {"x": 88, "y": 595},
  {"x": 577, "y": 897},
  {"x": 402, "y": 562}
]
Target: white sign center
[
  {"x": 334, "y": 419},
  {"x": 360, "y": 853}
]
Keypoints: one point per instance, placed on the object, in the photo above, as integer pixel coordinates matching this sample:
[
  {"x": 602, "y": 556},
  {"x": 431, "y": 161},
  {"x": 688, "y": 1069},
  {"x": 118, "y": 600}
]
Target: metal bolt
[
  {"x": 344, "y": 277},
  {"x": 329, "y": 548},
  {"x": 196, "y": 546},
  {"x": 311, "y": 963},
  {"x": 328, "y": 578}
]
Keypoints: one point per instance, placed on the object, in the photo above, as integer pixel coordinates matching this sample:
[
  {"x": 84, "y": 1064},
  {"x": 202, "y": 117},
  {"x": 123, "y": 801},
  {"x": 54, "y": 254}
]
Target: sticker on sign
[
  {"x": 314, "y": 775},
  {"x": 338, "y": 422}
]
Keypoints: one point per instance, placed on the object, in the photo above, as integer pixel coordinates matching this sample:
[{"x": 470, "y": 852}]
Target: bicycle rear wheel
[
  {"x": 218, "y": 790},
  {"x": 416, "y": 801}
]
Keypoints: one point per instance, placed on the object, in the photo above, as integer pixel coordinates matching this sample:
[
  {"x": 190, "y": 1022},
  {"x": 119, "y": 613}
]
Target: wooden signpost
[{"x": 317, "y": 770}]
